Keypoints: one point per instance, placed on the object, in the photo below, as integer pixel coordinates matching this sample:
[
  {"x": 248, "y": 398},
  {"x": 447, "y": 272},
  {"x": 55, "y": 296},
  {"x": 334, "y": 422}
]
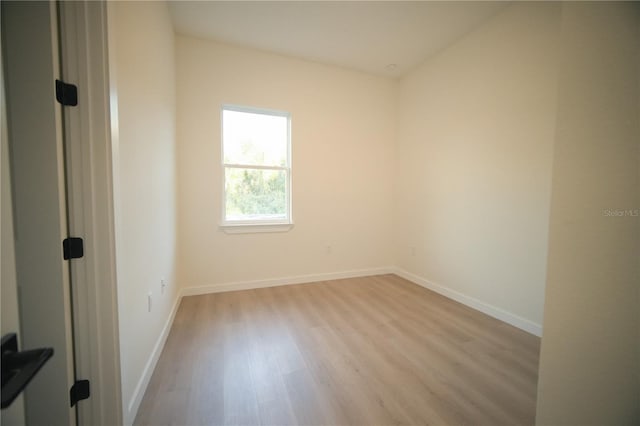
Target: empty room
[{"x": 327, "y": 212}]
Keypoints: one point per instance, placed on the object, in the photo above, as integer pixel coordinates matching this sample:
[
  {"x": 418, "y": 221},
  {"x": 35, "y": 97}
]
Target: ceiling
[{"x": 379, "y": 37}]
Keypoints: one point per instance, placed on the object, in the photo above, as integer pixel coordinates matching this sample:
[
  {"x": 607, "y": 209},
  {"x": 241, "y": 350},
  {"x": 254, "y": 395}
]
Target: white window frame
[{"x": 259, "y": 225}]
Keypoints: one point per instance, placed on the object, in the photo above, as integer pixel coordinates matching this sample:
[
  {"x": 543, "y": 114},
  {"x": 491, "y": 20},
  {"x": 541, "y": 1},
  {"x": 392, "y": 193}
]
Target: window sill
[{"x": 255, "y": 228}]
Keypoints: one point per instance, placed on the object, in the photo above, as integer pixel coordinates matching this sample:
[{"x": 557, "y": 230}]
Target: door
[
  {"x": 36, "y": 156},
  {"x": 14, "y": 415}
]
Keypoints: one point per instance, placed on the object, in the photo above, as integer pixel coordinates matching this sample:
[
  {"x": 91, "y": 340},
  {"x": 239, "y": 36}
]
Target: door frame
[{"x": 88, "y": 140}]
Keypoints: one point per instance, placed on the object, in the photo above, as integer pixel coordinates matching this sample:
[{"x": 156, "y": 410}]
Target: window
[{"x": 256, "y": 163}]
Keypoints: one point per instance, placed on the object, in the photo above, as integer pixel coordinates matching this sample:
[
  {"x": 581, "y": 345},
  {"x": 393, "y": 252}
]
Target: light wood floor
[{"x": 363, "y": 351}]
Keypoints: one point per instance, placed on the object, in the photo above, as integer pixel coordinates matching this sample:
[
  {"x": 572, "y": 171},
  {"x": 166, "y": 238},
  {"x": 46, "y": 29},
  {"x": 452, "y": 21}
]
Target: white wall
[
  {"x": 473, "y": 171},
  {"x": 145, "y": 185},
  {"x": 589, "y": 366},
  {"x": 342, "y": 131},
  {"x": 446, "y": 174}
]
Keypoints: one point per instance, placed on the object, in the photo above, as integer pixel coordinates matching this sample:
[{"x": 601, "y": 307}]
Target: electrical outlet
[
  {"x": 149, "y": 301},
  {"x": 329, "y": 249},
  {"x": 163, "y": 284}
]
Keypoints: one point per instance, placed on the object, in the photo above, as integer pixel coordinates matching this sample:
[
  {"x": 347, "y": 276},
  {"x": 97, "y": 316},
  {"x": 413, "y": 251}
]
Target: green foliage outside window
[{"x": 255, "y": 192}]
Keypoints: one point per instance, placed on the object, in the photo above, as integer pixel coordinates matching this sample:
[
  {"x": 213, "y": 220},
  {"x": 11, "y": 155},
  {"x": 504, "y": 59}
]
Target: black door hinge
[
  {"x": 72, "y": 248},
  {"x": 66, "y": 94},
  {"x": 79, "y": 391}
]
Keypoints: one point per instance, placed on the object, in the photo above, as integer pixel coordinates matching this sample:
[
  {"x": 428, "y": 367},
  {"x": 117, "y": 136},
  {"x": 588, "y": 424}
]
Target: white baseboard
[
  {"x": 273, "y": 282},
  {"x": 141, "y": 387},
  {"x": 478, "y": 305},
  {"x": 501, "y": 314}
]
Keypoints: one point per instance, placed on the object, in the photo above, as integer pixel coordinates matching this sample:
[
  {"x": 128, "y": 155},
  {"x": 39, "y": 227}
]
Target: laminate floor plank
[{"x": 363, "y": 351}]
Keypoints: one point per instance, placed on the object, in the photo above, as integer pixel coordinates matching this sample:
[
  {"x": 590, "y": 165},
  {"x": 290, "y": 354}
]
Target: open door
[
  {"x": 38, "y": 193},
  {"x": 13, "y": 415},
  {"x": 61, "y": 187}
]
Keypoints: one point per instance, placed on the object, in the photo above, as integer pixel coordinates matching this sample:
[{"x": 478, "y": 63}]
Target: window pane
[
  {"x": 254, "y": 139},
  {"x": 255, "y": 194}
]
